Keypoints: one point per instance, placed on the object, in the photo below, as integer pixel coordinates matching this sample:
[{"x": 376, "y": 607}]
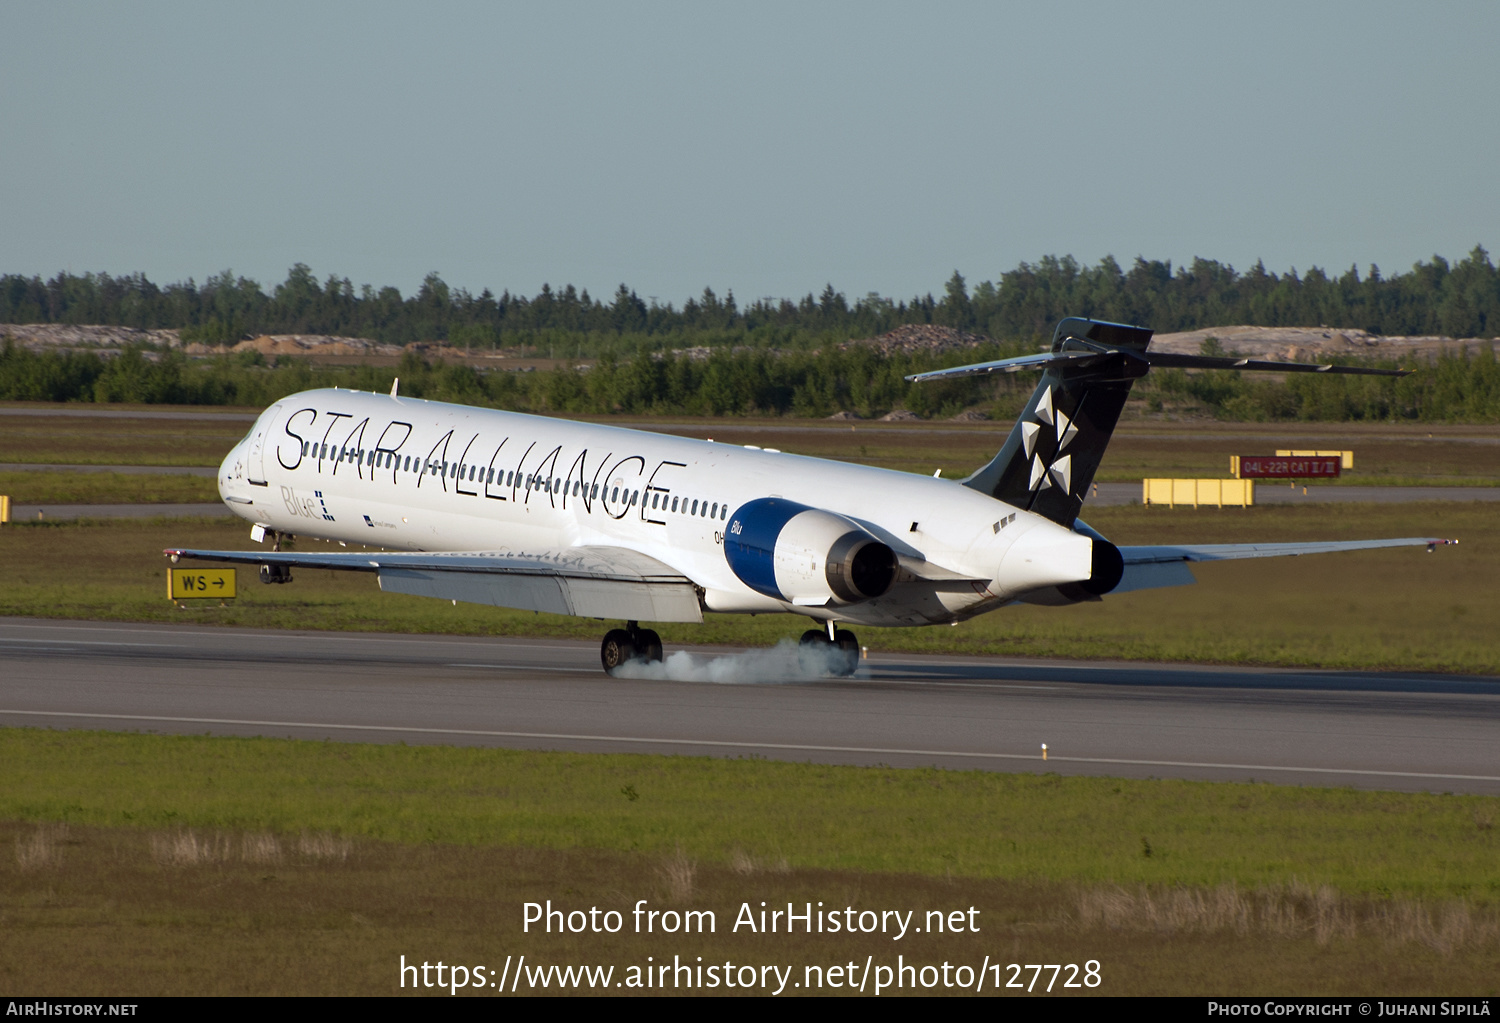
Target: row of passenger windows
[{"x": 509, "y": 478}]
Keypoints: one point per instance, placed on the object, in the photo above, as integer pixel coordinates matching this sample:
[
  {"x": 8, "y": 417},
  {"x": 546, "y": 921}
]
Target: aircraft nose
[{"x": 229, "y": 469}]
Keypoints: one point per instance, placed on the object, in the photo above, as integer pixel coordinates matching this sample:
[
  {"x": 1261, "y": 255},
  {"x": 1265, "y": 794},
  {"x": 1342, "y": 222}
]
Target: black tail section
[{"x": 1053, "y": 451}]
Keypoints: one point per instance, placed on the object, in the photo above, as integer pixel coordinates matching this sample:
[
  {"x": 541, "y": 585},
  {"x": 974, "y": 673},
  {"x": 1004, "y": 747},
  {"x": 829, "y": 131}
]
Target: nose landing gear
[
  {"x": 631, "y": 643},
  {"x": 833, "y": 650}
]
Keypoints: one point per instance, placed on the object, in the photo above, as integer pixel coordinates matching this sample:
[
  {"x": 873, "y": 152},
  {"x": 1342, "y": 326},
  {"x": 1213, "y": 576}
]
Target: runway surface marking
[
  {"x": 519, "y": 667},
  {"x": 795, "y": 747}
]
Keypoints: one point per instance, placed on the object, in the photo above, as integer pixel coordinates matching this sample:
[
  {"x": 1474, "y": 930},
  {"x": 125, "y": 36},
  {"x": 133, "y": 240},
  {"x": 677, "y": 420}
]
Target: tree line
[
  {"x": 1459, "y": 299},
  {"x": 747, "y": 382}
]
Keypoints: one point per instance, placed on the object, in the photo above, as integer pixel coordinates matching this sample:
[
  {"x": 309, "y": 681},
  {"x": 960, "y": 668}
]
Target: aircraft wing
[
  {"x": 591, "y": 582},
  {"x": 1166, "y": 565}
]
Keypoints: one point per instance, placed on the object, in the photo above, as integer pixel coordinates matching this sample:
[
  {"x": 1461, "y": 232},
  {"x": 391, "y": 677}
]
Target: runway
[{"x": 1367, "y": 730}]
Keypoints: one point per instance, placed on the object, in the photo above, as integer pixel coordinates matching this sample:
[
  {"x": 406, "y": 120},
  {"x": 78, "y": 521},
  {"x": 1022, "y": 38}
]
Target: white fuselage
[{"x": 407, "y": 474}]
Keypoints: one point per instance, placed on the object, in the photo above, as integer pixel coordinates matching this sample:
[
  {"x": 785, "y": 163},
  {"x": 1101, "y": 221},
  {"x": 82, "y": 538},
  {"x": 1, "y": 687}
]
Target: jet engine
[
  {"x": 806, "y": 556},
  {"x": 1106, "y": 568}
]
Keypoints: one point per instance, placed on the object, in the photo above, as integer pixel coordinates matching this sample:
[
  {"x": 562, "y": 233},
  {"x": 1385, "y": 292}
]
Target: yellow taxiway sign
[{"x": 200, "y": 583}]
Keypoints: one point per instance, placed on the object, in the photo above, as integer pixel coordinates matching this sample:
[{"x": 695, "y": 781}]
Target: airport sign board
[
  {"x": 1301, "y": 467},
  {"x": 200, "y": 583}
]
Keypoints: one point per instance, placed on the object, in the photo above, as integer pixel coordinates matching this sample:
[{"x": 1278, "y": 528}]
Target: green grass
[
  {"x": 106, "y": 488},
  {"x": 180, "y": 911},
  {"x": 1386, "y": 454},
  {"x": 1337, "y": 610},
  {"x": 925, "y": 821},
  {"x": 108, "y": 440}
]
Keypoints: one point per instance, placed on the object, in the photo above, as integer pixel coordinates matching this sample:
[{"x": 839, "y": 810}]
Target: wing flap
[{"x": 590, "y": 582}]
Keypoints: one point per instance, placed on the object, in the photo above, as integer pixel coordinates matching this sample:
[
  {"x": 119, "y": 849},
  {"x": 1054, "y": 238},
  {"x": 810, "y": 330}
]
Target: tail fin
[
  {"x": 1053, "y": 451},
  {"x": 1051, "y": 456}
]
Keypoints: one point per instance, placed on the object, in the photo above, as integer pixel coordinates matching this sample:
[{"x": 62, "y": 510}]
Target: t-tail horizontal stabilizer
[{"x": 1052, "y": 453}]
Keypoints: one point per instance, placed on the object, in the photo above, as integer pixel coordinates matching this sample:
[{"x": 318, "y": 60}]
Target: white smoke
[{"x": 787, "y": 661}]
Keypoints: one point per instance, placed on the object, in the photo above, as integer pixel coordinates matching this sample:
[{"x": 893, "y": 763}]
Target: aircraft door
[{"x": 255, "y": 458}]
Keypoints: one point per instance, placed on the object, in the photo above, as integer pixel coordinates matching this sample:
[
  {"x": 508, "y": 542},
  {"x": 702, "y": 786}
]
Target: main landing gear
[
  {"x": 631, "y": 643},
  {"x": 834, "y": 650}
]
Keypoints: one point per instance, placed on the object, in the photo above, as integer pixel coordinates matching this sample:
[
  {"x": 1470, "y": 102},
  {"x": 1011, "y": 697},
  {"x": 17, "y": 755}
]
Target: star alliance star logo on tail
[{"x": 1061, "y": 467}]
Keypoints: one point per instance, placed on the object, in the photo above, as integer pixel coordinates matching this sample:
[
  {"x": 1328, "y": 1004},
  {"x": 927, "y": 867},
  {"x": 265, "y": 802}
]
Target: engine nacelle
[
  {"x": 804, "y": 555},
  {"x": 1106, "y": 569}
]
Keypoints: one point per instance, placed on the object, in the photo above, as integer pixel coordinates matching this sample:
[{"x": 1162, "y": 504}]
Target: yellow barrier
[
  {"x": 1199, "y": 493},
  {"x": 1347, "y": 456},
  {"x": 4, "y": 509}
]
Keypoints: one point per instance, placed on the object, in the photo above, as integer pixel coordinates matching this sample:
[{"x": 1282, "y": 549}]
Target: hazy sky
[{"x": 762, "y": 147}]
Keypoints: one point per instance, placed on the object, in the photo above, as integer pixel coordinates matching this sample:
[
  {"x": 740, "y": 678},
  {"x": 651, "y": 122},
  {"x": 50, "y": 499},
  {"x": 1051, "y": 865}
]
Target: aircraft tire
[
  {"x": 849, "y": 647},
  {"x": 617, "y": 648},
  {"x": 648, "y": 645},
  {"x": 812, "y": 650}
]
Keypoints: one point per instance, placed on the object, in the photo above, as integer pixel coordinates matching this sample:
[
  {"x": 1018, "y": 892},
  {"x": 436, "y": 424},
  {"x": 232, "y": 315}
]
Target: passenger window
[
  {"x": 715, "y": 513},
  {"x": 695, "y": 508},
  {"x": 674, "y": 504},
  {"x": 724, "y": 513},
  {"x": 617, "y": 494},
  {"x": 595, "y": 495},
  {"x": 654, "y": 498}
]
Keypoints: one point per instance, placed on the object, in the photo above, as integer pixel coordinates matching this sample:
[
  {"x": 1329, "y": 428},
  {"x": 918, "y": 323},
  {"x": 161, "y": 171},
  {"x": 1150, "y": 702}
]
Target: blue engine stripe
[{"x": 750, "y": 541}]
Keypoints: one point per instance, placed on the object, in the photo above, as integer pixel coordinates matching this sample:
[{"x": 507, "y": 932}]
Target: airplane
[{"x": 542, "y": 514}]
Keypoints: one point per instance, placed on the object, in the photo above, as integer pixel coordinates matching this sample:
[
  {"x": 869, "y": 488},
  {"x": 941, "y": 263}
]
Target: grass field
[
  {"x": 106, "y": 488},
  {"x": 1341, "y": 610},
  {"x": 213, "y": 865},
  {"x": 109, "y": 440},
  {"x": 1385, "y": 453}
]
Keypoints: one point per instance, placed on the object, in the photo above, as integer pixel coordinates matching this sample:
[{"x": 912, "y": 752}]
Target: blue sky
[{"x": 762, "y": 147}]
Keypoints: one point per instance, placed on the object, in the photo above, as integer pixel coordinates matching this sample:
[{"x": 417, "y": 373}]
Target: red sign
[{"x": 1282, "y": 467}]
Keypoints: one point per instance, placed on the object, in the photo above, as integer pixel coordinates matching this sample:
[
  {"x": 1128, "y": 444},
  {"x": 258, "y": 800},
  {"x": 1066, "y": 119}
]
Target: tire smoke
[{"x": 787, "y": 661}]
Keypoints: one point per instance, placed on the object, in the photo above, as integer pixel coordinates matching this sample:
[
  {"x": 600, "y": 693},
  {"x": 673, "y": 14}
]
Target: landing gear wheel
[
  {"x": 848, "y": 648},
  {"x": 616, "y": 649},
  {"x": 810, "y": 656},
  {"x": 648, "y": 645}
]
